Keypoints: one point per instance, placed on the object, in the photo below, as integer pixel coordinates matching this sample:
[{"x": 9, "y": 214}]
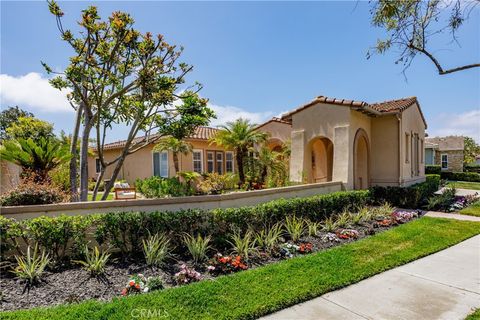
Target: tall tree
[
  {"x": 176, "y": 146},
  {"x": 119, "y": 75},
  {"x": 239, "y": 135},
  {"x": 471, "y": 150},
  {"x": 10, "y": 116},
  {"x": 411, "y": 24}
]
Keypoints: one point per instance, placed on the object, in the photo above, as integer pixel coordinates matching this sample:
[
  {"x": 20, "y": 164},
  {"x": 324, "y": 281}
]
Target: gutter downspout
[{"x": 400, "y": 166}]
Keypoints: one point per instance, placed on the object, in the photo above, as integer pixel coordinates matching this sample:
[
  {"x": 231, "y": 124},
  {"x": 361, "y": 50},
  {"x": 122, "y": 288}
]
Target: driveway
[{"x": 444, "y": 285}]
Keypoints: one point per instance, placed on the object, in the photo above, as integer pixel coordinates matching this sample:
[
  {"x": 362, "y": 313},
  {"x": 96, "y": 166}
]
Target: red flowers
[
  {"x": 226, "y": 264},
  {"x": 305, "y": 247}
]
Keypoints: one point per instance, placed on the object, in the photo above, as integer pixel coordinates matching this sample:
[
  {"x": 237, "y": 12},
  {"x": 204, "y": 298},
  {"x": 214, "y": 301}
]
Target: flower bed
[{"x": 126, "y": 275}]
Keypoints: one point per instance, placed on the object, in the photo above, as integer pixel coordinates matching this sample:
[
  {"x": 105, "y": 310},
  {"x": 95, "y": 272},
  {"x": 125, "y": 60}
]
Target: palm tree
[
  {"x": 239, "y": 136},
  {"x": 38, "y": 157},
  {"x": 176, "y": 146},
  {"x": 271, "y": 162}
]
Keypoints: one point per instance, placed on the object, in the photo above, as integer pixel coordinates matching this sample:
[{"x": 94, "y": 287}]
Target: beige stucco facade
[
  {"x": 333, "y": 141},
  {"x": 10, "y": 176}
]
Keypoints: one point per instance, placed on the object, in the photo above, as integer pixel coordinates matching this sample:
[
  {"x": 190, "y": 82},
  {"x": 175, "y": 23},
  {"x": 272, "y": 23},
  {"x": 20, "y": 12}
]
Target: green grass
[
  {"x": 464, "y": 185},
  {"x": 473, "y": 210},
  {"x": 110, "y": 196},
  {"x": 253, "y": 293},
  {"x": 474, "y": 316}
]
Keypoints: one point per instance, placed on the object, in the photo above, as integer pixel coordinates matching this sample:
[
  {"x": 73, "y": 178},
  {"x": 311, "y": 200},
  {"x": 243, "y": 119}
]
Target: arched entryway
[
  {"x": 275, "y": 144},
  {"x": 321, "y": 152},
  {"x": 361, "y": 160}
]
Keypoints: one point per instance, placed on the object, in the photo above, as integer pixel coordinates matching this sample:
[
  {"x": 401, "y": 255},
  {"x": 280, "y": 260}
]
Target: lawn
[
  {"x": 253, "y": 293},
  {"x": 110, "y": 196},
  {"x": 473, "y": 210},
  {"x": 464, "y": 185}
]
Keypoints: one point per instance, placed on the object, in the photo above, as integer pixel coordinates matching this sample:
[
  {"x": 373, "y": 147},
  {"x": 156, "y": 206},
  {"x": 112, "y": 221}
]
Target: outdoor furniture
[{"x": 123, "y": 191}]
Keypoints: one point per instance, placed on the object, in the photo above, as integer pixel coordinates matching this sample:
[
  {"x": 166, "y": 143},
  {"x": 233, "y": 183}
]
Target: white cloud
[
  {"x": 466, "y": 123},
  {"x": 230, "y": 113},
  {"x": 34, "y": 92}
]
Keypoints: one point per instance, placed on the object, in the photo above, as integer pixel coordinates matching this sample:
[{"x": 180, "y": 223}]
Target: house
[
  {"x": 446, "y": 152},
  {"x": 359, "y": 143},
  {"x": 146, "y": 162}
]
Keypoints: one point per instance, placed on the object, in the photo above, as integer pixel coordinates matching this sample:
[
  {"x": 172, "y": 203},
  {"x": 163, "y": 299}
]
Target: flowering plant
[
  {"x": 139, "y": 283},
  {"x": 462, "y": 202},
  {"x": 226, "y": 264},
  {"x": 384, "y": 223},
  {"x": 306, "y": 247},
  {"x": 347, "y": 234},
  {"x": 187, "y": 275},
  {"x": 288, "y": 249},
  {"x": 403, "y": 216},
  {"x": 330, "y": 237}
]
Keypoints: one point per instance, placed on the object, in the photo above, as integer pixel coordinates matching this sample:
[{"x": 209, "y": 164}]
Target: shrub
[
  {"x": 214, "y": 183},
  {"x": 29, "y": 193},
  {"x": 187, "y": 275},
  {"x": 157, "y": 187},
  {"x": 406, "y": 197},
  {"x": 295, "y": 227},
  {"x": 31, "y": 267},
  {"x": 472, "y": 167},
  {"x": 461, "y": 176},
  {"x": 268, "y": 238},
  {"x": 243, "y": 246},
  {"x": 156, "y": 249},
  {"x": 433, "y": 169},
  {"x": 197, "y": 246},
  {"x": 95, "y": 261},
  {"x": 442, "y": 201}
]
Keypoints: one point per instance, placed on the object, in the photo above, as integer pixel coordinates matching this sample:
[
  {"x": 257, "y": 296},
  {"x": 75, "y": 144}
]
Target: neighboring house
[
  {"x": 446, "y": 152},
  {"x": 359, "y": 143},
  {"x": 206, "y": 157}
]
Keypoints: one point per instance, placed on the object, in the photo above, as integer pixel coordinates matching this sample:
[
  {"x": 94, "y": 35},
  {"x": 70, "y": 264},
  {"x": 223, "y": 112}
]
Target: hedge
[
  {"x": 461, "y": 176},
  {"x": 407, "y": 197},
  {"x": 64, "y": 236},
  {"x": 433, "y": 169},
  {"x": 472, "y": 167}
]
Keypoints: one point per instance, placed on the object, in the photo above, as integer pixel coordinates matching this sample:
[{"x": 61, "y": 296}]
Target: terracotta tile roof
[
  {"x": 450, "y": 143},
  {"x": 391, "y": 106},
  {"x": 201, "y": 133},
  {"x": 274, "y": 119}
]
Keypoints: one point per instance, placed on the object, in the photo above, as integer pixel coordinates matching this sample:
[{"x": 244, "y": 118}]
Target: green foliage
[
  {"x": 329, "y": 225},
  {"x": 10, "y": 116},
  {"x": 266, "y": 289},
  {"x": 154, "y": 283},
  {"x": 158, "y": 187},
  {"x": 381, "y": 212},
  {"x": 344, "y": 219},
  {"x": 433, "y": 169},
  {"x": 442, "y": 201},
  {"x": 30, "y": 193},
  {"x": 95, "y": 261},
  {"x": 30, "y": 128},
  {"x": 295, "y": 227},
  {"x": 31, "y": 267},
  {"x": 197, "y": 246},
  {"x": 60, "y": 177},
  {"x": 313, "y": 228},
  {"x": 156, "y": 249},
  {"x": 244, "y": 246},
  {"x": 176, "y": 146},
  {"x": 363, "y": 214},
  {"x": 406, "y": 197},
  {"x": 37, "y": 157},
  {"x": 268, "y": 238},
  {"x": 471, "y": 150},
  {"x": 472, "y": 167},
  {"x": 214, "y": 183},
  {"x": 461, "y": 176}
]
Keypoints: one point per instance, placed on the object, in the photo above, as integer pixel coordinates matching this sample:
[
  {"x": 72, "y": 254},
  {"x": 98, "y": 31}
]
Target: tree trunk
[
  {"x": 175, "y": 162},
  {"x": 74, "y": 159},
  {"x": 241, "y": 174},
  {"x": 97, "y": 184},
  {"x": 84, "y": 158},
  {"x": 108, "y": 186}
]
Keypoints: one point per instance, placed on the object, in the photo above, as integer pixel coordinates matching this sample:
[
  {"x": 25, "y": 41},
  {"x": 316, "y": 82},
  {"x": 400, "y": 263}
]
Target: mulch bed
[{"x": 72, "y": 285}]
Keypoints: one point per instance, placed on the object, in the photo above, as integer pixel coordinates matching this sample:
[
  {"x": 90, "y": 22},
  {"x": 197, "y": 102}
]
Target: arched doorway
[
  {"x": 321, "y": 151},
  {"x": 275, "y": 144},
  {"x": 361, "y": 160}
]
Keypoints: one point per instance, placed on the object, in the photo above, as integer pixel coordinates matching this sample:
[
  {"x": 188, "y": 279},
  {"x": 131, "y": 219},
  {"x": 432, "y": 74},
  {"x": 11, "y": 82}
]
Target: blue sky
[{"x": 255, "y": 59}]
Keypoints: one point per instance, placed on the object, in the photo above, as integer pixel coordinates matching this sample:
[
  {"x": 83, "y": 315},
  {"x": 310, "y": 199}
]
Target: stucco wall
[
  {"x": 277, "y": 130},
  {"x": 412, "y": 123},
  {"x": 384, "y": 163},
  {"x": 10, "y": 176},
  {"x": 140, "y": 164},
  {"x": 455, "y": 160},
  {"x": 358, "y": 121},
  {"x": 236, "y": 199}
]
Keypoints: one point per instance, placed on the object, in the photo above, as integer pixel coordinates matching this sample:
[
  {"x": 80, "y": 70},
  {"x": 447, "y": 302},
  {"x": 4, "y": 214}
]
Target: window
[
  {"x": 422, "y": 151},
  {"x": 219, "y": 157},
  {"x": 98, "y": 166},
  {"x": 229, "y": 161},
  {"x": 407, "y": 147},
  {"x": 198, "y": 161},
  {"x": 160, "y": 164},
  {"x": 444, "y": 161},
  {"x": 210, "y": 161}
]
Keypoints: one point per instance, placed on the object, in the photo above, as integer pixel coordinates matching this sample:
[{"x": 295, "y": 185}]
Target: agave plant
[
  {"x": 95, "y": 261},
  {"x": 295, "y": 227},
  {"x": 156, "y": 249},
  {"x": 197, "y": 246},
  {"x": 31, "y": 267},
  {"x": 243, "y": 246},
  {"x": 268, "y": 238}
]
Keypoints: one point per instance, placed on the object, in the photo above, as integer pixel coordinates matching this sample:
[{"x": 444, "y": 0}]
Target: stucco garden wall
[{"x": 10, "y": 176}]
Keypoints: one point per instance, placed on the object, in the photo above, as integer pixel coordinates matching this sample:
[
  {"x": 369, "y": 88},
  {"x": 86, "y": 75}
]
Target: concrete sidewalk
[{"x": 445, "y": 285}]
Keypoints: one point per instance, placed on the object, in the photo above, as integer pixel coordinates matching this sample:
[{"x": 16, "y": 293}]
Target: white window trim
[
  {"x": 233, "y": 161},
  {"x": 201, "y": 159},
  {"x": 441, "y": 161},
  {"x": 153, "y": 164}
]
